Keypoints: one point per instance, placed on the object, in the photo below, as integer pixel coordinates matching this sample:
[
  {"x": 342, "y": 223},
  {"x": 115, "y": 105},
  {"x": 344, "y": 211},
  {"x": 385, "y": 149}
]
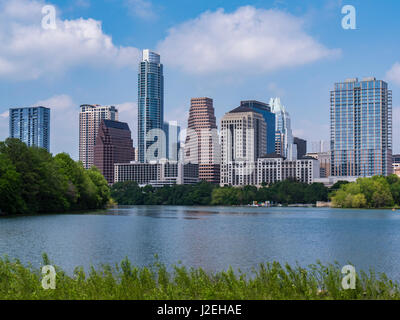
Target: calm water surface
[{"x": 208, "y": 237}]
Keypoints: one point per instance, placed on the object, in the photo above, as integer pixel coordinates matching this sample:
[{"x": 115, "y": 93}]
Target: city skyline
[{"x": 106, "y": 74}]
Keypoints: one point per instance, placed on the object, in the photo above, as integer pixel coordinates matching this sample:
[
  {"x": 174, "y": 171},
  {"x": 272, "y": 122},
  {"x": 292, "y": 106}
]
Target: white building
[
  {"x": 274, "y": 168},
  {"x": 284, "y": 141},
  {"x": 243, "y": 141}
]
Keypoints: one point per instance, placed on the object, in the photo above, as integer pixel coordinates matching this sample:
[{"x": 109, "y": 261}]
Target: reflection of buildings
[
  {"x": 90, "y": 118},
  {"x": 157, "y": 173},
  {"x": 31, "y": 126},
  {"x": 284, "y": 142},
  {"x": 113, "y": 145},
  {"x": 324, "y": 159},
  {"x": 243, "y": 133},
  {"x": 202, "y": 142},
  {"x": 361, "y": 128}
]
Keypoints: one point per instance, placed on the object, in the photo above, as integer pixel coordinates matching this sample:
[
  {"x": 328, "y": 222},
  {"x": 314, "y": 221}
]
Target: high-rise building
[
  {"x": 301, "y": 146},
  {"x": 284, "y": 142},
  {"x": 113, "y": 145},
  {"x": 90, "y": 118},
  {"x": 150, "y": 99},
  {"x": 243, "y": 134},
  {"x": 269, "y": 118},
  {"x": 202, "y": 142},
  {"x": 31, "y": 125},
  {"x": 172, "y": 142},
  {"x": 361, "y": 128},
  {"x": 324, "y": 159}
]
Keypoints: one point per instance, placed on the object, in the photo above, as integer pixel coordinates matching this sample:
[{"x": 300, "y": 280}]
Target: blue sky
[{"x": 227, "y": 50}]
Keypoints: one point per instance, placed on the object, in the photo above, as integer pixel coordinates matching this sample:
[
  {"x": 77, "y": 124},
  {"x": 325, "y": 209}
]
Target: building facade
[
  {"x": 150, "y": 100},
  {"x": 361, "y": 128},
  {"x": 324, "y": 159},
  {"x": 274, "y": 168},
  {"x": 243, "y": 134},
  {"x": 202, "y": 142},
  {"x": 90, "y": 118},
  {"x": 172, "y": 143},
  {"x": 284, "y": 141},
  {"x": 113, "y": 145},
  {"x": 301, "y": 146},
  {"x": 270, "y": 120},
  {"x": 157, "y": 174},
  {"x": 31, "y": 126}
]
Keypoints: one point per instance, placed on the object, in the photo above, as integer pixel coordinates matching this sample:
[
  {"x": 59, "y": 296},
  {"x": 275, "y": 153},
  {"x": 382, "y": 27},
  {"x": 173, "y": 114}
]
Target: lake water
[{"x": 209, "y": 237}]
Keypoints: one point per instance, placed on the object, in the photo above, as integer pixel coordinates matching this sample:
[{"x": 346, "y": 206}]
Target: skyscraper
[
  {"x": 243, "y": 133},
  {"x": 150, "y": 99},
  {"x": 202, "y": 143},
  {"x": 284, "y": 142},
  {"x": 90, "y": 118},
  {"x": 31, "y": 125},
  {"x": 269, "y": 118},
  {"x": 361, "y": 128},
  {"x": 301, "y": 146},
  {"x": 113, "y": 145},
  {"x": 173, "y": 145}
]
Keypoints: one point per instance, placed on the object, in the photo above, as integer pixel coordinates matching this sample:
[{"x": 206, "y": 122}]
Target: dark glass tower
[
  {"x": 31, "y": 125},
  {"x": 150, "y": 99}
]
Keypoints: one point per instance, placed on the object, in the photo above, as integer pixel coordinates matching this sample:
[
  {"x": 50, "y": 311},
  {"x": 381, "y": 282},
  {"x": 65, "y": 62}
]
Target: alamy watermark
[
  {"x": 49, "y": 19},
  {"x": 349, "y": 20},
  {"x": 49, "y": 277}
]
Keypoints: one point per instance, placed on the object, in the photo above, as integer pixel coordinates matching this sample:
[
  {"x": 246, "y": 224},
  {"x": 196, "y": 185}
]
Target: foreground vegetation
[
  {"x": 284, "y": 192},
  {"x": 33, "y": 181},
  {"x": 124, "y": 281},
  {"x": 375, "y": 192}
]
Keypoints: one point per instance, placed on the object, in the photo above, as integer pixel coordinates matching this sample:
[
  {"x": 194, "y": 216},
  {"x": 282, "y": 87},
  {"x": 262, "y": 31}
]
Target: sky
[{"x": 226, "y": 50}]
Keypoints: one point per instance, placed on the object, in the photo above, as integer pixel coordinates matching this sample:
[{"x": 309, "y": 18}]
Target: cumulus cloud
[
  {"x": 249, "y": 40},
  {"x": 128, "y": 112},
  {"x": 28, "y": 51},
  {"x": 394, "y": 74}
]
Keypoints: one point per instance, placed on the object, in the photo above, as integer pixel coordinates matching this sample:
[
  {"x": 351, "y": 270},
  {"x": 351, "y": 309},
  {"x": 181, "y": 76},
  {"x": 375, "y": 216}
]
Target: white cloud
[
  {"x": 249, "y": 40},
  {"x": 128, "y": 112},
  {"x": 394, "y": 74},
  {"x": 396, "y": 129},
  {"x": 4, "y": 114},
  {"x": 28, "y": 51},
  {"x": 141, "y": 8}
]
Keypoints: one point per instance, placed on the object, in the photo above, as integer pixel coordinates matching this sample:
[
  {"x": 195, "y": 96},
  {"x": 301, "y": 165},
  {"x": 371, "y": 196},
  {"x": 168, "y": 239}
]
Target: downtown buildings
[
  {"x": 31, "y": 125},
  {"x": 150, "y": 101},
  {"x": 90, "y": 117},
  {"x": 202, "y": 142},
  {"x": 113, "y": 145},
  {"x": 361, "y": 128}
]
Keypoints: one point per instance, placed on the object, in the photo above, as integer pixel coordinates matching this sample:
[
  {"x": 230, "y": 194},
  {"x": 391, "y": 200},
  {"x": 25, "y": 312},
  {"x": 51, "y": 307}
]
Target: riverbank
[{"x": 270, "y": 281}]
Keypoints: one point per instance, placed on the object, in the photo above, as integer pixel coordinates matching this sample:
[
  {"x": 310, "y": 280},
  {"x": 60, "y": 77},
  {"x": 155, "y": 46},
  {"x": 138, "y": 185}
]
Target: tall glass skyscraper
[
  {"x": 361, "y": 128},
  {"x": 150, "y": 99},
  {"x": 31, "y": 125}
]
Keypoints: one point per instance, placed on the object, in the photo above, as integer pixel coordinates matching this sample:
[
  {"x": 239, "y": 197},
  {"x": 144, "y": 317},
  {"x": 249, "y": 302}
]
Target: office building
[
  {"x": 157, "y": 173},
  {"x": 272, "y": 168},
  {"x": 361, "y": 128},
  {"x": 243, "y": 134},
  {"x": 301, "y": 146},
  {"x": 269, "y": 117},
  {"x": 172, "y": 142},
  {"x": 284, "y": 141},
  {"x": 113, "y": 145},
  {"x": 90, "y": 118},
  {"x": 396, "y": 164},
  {"x": 324, "y": 159},
  {"x": 202, "y": 141},
  {"x": 150, "y": 100},
  {"x": 31, "y": 125}
]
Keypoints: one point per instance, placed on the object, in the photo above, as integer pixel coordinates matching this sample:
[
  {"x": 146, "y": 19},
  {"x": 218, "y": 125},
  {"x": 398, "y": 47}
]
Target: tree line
[
  {"x": 203, "y": 193},
  {"x": 34, "y": 181},
  {"x": 374, "y": 192}
]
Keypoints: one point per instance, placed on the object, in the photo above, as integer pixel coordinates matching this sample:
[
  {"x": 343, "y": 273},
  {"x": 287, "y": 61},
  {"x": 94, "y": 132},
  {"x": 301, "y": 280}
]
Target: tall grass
[{"x": 124, "y": 281}]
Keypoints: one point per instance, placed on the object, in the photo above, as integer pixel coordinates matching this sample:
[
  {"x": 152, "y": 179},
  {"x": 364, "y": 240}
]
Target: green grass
[{"x": 124, "y": 281}]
